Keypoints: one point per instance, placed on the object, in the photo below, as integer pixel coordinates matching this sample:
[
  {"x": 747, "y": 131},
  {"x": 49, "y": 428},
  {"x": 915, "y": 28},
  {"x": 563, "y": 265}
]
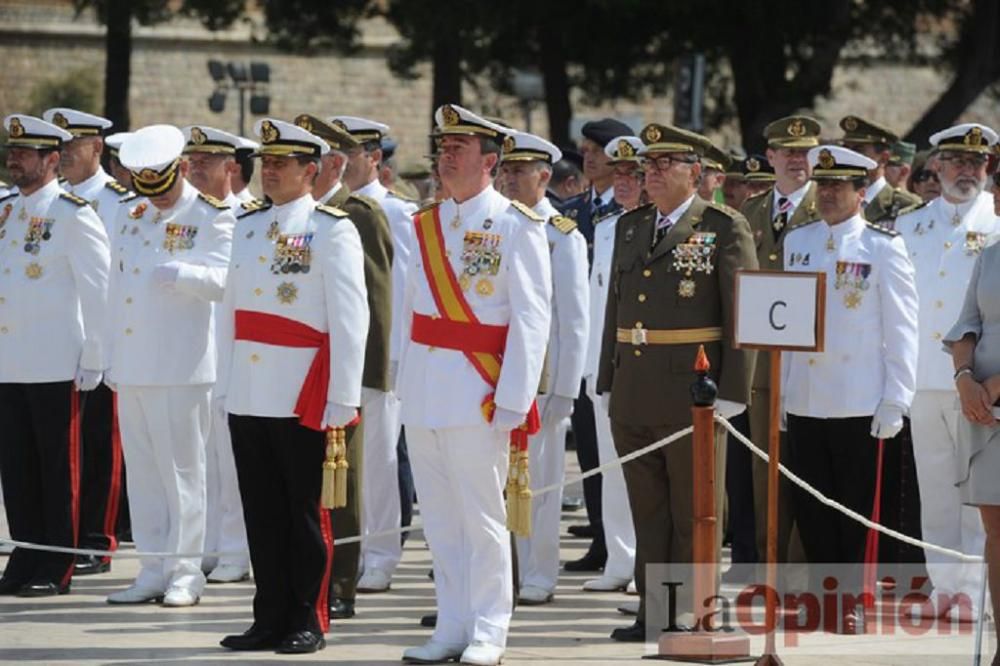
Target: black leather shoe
[
  {"x": 254, "y": 638},
  {"x": 430, "y": 620},
  {"x": 341, "y": 609},
  {"x": 10, "y": 586},
  {"x": 583, "y": 530},
  {"x": 635, "y": 633},
  {"x": 301, "y": 642},
  {"x": 42, "y": 588},
  {"x": 592, "y": 561},
  {"x": 88, "y": 565}
]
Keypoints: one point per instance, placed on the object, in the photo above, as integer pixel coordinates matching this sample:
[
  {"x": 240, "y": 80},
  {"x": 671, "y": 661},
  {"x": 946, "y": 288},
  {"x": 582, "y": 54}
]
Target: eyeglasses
[
  {"x": 663, "y": 163},
  {"x": 924, "y": 175},
  {"x": 969, "y": 161}
]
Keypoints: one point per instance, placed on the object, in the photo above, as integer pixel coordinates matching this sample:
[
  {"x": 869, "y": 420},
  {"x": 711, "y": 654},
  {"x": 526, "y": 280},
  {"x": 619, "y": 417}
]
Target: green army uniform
[
  {"x": 656, "y": 317},
  {"x": 791, "y": 132},
  {"x": 376, "y": 241}
]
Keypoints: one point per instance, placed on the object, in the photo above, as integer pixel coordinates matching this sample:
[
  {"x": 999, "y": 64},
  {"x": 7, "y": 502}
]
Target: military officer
[
  {"x": 597, "y": 201},
  {"x": 293, "y": 326},
  {"x": 210, "y": 155},
  {"x": 657, "y": 315},
  {"x": 380, "y": 555},
  {"x": 169, "y": 261},
  {"x": 841, "y": 400},
  {"x": 476, "y": 320},
  {"x": 525, "y": 169},
  {"x": 944, "y": 237},
  {"x": 376, "y": 241},
  {"x": 900, "y": 165},
  {"x": 789, "y": 202},
  {"x": 121, "y": 175},
  {"x": 883, "y": 202},
  {"x": 745, "y": 177},
  {"x": 53, "y": 303},
  {"x": 101, "y": 472},
  {"x": 714, "y": 165},
  {"x": 619, "y": 534}
]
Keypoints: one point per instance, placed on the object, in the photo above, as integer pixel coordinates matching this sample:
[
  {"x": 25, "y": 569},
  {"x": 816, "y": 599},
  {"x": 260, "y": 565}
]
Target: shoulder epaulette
[
  {"x": 881, "y": 229},
  {"x": 563, "y": 224},
  {"x": 212, "y": 201},
  {"x": 399, "y": 195},
  {"x": 10, "y": 195},
  {"x": 429, "y": 206},
  {"x": 916, "y": 206},
  {"x": 723, "y": 208},
  {"x": 253, "y": 206},
  {"x": 366, "y": 201},
  {"x": 758, "y": 194},
  {"x": 331, "y": 211},
  {"x": 116, "y": 187},
  {"x": 803, "y": 224},
  {"x": 128, "y": 197},
  {"x": 73, "y": 198},
  {"x": 527, "y": 212}
]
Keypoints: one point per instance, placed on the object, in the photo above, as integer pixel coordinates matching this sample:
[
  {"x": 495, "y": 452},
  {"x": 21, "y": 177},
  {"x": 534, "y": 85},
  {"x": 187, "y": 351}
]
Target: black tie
[
  {"x": 779, "y": 221},
  {"x": 663, "y": 225},
  {"x": 597, "y": 205}
]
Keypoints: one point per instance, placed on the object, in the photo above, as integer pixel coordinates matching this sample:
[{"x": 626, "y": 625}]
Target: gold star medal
[
  {"x": 852, "y": 300},
  {"x": 464, "y": 281},
  {"x": 33, "y": 270},
  {"x": 686, "y": 288},
  {"x": 830, "y": 246},
  {"x": 484, "y": 287},
  {"x": 287, "y": 292}
]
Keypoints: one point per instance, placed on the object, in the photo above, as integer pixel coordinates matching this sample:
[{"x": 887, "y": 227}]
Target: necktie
[
  {"x": 663, "y": 224},
  {"x": 597, "y": 203},
  {"x": 779, "y": 221}
]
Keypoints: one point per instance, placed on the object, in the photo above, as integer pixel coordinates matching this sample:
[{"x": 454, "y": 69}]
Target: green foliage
[{"x": 79, "y": 89}]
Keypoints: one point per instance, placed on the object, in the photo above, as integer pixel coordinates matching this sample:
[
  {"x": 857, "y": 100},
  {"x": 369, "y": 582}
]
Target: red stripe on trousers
[
  {"x": 73, "y": 444},
  {"x": 115, "y": 487},
  {"x": 322, "y": 603}
]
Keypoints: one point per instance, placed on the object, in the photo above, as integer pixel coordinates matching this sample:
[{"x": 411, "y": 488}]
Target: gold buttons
[
  {"x": 642, "y": 298},
  {"x": 6, "y": 271},
  {"x": 937, "y": 336},
  {"x": 637, "y": 352},
  {"x": 3, "y": 329},
  {"x": 128, "y": 331},
  {"x": 254, "y": 358},
  {"x": 128, "y": 300},
  {"x": 14, "y": 243},
  {"x": 136, "y": 270},
  {"x": 2, "y": 300},
  {"x": 947, "y": 245},
  {"x": 812, "y": 361},
  {"x": 942, "y": 273},
  {"x": 772, "y": 257},
  {"x": 647, "y": 273},
  {"x": 258, "y": 291},
  {"x": 262, "y": 259}
]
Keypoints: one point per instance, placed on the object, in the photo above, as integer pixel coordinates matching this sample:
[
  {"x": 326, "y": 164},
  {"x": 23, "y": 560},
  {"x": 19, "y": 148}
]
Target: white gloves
[
  {"x": 505, "y": 420},
  {"x": 87, "y": 380},
  {"x": 727, "y": 409},
  {"x": 337, "y": 416},
  {"x": 557, "y": 408},
  {"x": 165, "y": 275},
  {"x": 606, "y": 402},
  {"x": 888, "y": 420}
]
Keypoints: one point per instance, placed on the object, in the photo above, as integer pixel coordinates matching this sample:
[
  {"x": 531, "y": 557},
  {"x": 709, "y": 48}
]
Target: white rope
[{"x": 820, "y": 497}]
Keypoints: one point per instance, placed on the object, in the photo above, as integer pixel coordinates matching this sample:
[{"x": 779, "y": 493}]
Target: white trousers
[
  {"x": 538, "y": 554},
  {"x": 945, "y": 521},
  {"x": 460, "y": 475},
  {"x": 163, "y": 433},
  {"x": 225, "y": 530},
  {"x": 380, "y": 507},
  {"x": 619, "y": 532}
]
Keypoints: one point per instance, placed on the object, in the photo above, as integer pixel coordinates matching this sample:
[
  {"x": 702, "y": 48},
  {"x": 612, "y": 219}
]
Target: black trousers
[
  {"x": 102, "y": 472},
  {"x": 739, "y": 491},
  {"x": 279, "y": 465},
  {"x": 407, "y": 491},
  {"x": 838, "y": 457},
  {"x": 40, "y": 471},
  {"x": 585, "y": 436}
]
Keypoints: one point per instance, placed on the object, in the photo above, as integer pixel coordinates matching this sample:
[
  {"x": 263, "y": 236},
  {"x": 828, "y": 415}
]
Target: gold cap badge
[
  {"x": 850, "y": 123},
  {"x": 974, "y": 137},
  {"x": 652, "y": 134},
  {"x": 197, "y": 136},
  {"x": 268, "y": 132},
  {"x": 826, "y": 159},
  {"x": 509, "y": 144},
  {"x": 450, "y": 116},
  {"x": 16, "y": 128},
  {"x": 304, "y": 122},
  {"x": 625, "y": 149},
  {"x": 753, "y": 164},
  {"x": 59, "y": 120},
  {"x": 796, "y": 128}
]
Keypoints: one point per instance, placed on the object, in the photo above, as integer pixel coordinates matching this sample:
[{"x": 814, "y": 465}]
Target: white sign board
[{"x": 780, "y": 311}]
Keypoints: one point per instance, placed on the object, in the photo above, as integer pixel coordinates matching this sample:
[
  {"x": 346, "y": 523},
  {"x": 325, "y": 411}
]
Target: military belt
[{"x": 675, "y": 336}]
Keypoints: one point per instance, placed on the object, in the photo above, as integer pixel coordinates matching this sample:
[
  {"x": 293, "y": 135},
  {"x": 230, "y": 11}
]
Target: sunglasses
[{"x": 923, "y": 176}]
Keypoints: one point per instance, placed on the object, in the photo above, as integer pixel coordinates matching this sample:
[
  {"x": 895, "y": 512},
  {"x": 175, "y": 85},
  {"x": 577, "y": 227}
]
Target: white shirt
[
  {"x": 439, "y": 388},
  {"x": 165, "y": 336},
  {"x": 103, "y": 193},
  {"x": 53, "y": 303},
  {"x": 944, "y": 254},
  {"x": 794, "y": 199},
  {"x": 600, "y": 278},
  {"x": 570, "y": 306},
  {"x": 607, "y": 196},
  {"x": 870, "y": 352},
  {"x": 265, "y": 380},
  {"x": 399, "y": 212}
]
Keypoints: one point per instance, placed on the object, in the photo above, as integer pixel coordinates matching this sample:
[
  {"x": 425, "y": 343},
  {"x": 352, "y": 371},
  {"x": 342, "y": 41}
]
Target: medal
[
  {"x": 23, "y": 215},
  {"x": 33, "y": 271},
  {"x": 830, "y": 247},
  {"x": 484, "y": 287},
  {"x": 287, "y": 292},
  {"x": 456, "y": 222},
  {"x": 272, "y": 231},
  {"x": 956, "y": 219},
  {"x": 464, "y": 281},
  {"x": 852, "y": 300},
  {"x": 686, "y": 288}
]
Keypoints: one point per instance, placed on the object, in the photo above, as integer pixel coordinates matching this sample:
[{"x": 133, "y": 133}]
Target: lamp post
[
  {"x": 236, "y": 75},
  {"x": 529, "y": 88}
]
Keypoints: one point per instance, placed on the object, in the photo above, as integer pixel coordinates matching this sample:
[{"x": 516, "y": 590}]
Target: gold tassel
[
  {"x": 523, "y": 496},
  {"x": 513, "y": 499},
  {"x": 328, "y": 495},
  {"x": 340, "y": 497}
]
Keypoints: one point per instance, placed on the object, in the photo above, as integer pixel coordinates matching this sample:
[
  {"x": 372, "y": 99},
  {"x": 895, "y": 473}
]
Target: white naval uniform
[
  {"x": 538, "y": 554},
  {"x": 459, "y": 462},
  {"x": 944, "y": 256},
  {"x": 103, "y": 193},
  {"x": 380, "y": 507},
  {"x": 225, "y": 530},
  {"x": 244, "y": 195},
  {"x": 619, "y": 532},
  {"x": 53, "y": 305},
  {"x": 163, "y": 364}
]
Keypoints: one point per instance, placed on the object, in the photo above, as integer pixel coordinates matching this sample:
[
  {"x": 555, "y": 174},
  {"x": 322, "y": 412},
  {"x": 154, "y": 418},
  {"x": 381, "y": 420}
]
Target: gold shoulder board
[
  {"x": 212, "y": 201},
  {"x": 116, "y": 187},
  {"x": 331, "y": 211},
  {"x": 563, "y": 224},
  {"x": 882, "y": 230},
  {"x": 527, "y": 212},
  {"x": 73, "y": 198}
]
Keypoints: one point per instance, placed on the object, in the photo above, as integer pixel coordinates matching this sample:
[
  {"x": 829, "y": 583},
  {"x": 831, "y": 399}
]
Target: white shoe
[
  {"x": 531, "y": 595},
  {"x": 178, "y": 597},
  {"x": 632, "y": 589},
  {"x": 228, "y": 573},
  {"x": 432, "y": 652},
  {"x": 135, "y": 594},
  {"x": 374, "y": 580},
  {"x": 605, "y": 584},
  {"x": 481, "y": 653}
]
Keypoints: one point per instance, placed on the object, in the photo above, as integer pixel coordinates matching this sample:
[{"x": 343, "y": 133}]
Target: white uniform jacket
[
  {"x": 54, "y": 260},
  {"x": 943, "y": 254},
  {"x": 600, "y": 272},
  {"x": 164, "y": 336},
  {"x": 258, "y": 379},
  {"x": 439, "y": 388},
  {"x": 870, "y": 352},
  {"x": 103, "y": 193}
]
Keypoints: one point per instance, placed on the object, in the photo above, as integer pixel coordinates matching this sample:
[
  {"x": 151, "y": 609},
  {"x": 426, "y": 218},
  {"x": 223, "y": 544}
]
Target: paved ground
[{"x": 82, "y": 629}]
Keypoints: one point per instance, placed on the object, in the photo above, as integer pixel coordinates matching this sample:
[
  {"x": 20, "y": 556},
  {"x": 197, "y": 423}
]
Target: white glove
[
  {"x": 219, "y": 407},
  {"x": 87, "y": 380},
  {"x": 888, "y": 420},
  {"x": 557, "y": 408},
  {"x": 606, "y": 402},
  {"x": 337, "y": 416},
  {"x": 165, "y": 275},
  {"x": 505, "y": 420},
  {"x": 727, "y": 409}
]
